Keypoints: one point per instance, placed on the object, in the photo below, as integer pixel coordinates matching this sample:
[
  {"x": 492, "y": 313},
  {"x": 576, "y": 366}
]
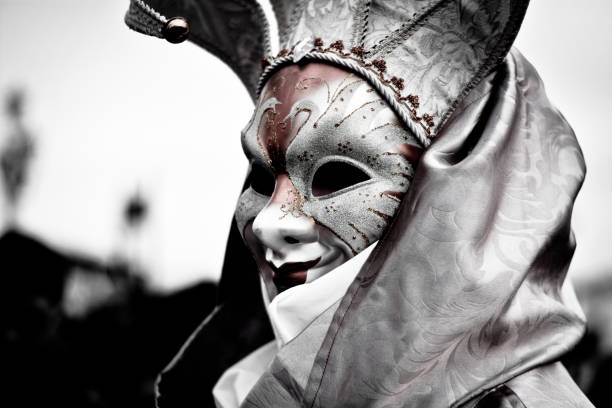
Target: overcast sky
[{"x": 114, "y": 112}]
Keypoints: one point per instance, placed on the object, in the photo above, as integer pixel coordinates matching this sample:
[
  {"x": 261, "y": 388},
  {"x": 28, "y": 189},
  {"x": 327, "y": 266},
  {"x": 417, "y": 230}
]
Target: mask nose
[{"x": 281, "y": 223}]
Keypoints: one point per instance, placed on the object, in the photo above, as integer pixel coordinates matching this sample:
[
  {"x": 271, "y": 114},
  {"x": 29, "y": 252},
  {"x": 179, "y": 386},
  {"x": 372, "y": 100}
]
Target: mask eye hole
[
  {"x": 261, "y": 180},
  {"x": 335, "y": 176}
]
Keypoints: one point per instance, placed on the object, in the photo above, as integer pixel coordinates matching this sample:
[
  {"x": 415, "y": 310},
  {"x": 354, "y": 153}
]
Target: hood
[{"x": 467, "y": 288}]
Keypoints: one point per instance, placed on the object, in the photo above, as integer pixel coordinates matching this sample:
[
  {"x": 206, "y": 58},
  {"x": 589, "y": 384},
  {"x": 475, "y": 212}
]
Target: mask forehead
[{"x": 273, "y": 125}]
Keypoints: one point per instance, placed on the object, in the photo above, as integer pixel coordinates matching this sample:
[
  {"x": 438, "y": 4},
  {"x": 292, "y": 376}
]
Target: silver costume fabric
[
  {"x": 423, "y": 56},
  {"x": 466, "y": 291}
]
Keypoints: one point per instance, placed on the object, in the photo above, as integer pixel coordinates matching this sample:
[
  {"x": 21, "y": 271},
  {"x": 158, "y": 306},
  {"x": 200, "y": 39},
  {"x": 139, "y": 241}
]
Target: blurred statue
[
  {"x": 403, "y": 235},
  {"x": 16, "y": 153}
]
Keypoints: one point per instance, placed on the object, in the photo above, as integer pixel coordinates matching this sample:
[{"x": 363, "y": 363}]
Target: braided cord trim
[
  {"x": 148, "y": 10},
  {"x": 144, "y": 19}
]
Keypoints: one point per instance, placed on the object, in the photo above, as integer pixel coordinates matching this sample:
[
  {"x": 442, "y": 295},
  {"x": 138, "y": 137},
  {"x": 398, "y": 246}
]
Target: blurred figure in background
[{"x": 16, "y": 153}]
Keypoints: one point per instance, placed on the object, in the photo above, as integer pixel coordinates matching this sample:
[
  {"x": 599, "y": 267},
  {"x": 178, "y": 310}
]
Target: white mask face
[{"x": 330, "y": 163}]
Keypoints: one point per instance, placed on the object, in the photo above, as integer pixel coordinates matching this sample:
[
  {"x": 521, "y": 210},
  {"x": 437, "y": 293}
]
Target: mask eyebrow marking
[
  {"x": 381, "y": 127},
  {"x": 384, "y": 216},
  {"x": 402, "y": 174},
  {"x": 350, "y": 114},
  {"x": 335, "y": 97},
  {"x": 302, "y": 125},
  {"x": 300, "y": 86},
  {"x": 364, "y": 236},
  {"x": 393, "y": 195}
]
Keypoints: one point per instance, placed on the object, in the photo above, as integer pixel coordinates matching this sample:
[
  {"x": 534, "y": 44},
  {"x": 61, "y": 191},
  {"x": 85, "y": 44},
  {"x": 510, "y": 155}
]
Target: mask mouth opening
[{"x": 291, "y": 273}]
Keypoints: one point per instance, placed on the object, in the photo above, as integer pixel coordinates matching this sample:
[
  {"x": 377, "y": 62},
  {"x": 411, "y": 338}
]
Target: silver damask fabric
[
  {"x": 423, "y": 56},
  {"x": 466, "y": 291}
]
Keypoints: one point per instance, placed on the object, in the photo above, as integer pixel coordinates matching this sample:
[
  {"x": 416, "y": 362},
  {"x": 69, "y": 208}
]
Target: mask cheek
[
  {"x": 358, "y": 217},
  {"x": 249, "y": 205}
]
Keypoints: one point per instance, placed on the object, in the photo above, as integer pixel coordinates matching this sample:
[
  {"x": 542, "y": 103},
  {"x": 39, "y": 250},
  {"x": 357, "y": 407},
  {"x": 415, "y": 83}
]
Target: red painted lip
[{"x": 291, "y": 273}]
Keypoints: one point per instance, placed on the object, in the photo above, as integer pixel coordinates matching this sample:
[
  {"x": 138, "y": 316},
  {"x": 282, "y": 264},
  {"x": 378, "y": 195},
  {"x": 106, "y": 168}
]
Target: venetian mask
[{"x": 329, "y": 164}]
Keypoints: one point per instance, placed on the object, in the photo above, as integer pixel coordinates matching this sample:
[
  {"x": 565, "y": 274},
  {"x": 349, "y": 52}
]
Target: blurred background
[{"x": 120, "y": 164}]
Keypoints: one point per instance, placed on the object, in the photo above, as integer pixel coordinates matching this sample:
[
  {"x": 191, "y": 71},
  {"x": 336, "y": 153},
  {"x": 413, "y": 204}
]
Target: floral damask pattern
[{"x": 441, "y": 49}]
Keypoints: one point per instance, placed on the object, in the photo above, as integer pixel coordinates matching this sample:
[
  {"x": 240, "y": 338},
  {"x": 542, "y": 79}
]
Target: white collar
[{"x": 290, "y": 313}]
